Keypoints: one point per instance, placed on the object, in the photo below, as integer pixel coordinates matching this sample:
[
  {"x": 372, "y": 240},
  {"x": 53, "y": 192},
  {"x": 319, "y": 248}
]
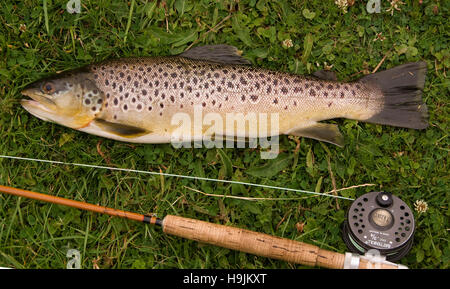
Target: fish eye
[{"x": 48, "y": 88}]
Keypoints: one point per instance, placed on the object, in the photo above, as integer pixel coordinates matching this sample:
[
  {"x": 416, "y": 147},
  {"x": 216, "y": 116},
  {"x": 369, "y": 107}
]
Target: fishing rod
[{"x": 229, "y": 237}]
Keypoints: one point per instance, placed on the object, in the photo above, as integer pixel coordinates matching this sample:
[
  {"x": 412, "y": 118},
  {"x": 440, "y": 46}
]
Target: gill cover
[{"x": 71, "y": 99}]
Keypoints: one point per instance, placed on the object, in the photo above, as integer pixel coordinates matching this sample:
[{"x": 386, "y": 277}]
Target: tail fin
[{"x": 402, "y": 95}]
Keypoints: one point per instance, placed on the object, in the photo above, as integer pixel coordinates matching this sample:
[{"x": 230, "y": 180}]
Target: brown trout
[{"x": 135, "y": 99}]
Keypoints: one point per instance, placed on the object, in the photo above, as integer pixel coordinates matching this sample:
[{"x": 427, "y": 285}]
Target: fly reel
[{"x": 381, "y": 221}]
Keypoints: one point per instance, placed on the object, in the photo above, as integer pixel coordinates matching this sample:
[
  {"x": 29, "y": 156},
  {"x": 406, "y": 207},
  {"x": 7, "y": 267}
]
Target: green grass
[{"x": 39, "y": 39}]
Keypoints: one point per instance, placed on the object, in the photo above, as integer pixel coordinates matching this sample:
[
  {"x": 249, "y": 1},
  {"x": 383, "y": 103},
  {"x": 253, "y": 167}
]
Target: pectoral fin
[
  {"x": 119, "y": 129},
  {"x": 321, "y": 131}
]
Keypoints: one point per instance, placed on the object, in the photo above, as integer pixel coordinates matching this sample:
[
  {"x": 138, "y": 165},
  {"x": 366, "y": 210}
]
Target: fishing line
[{"x": 175, "y": 175}]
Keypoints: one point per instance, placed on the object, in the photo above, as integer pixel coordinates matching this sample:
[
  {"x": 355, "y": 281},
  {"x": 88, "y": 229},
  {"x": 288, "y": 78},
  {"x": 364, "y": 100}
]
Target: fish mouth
[{"x": 39, "y": 105}]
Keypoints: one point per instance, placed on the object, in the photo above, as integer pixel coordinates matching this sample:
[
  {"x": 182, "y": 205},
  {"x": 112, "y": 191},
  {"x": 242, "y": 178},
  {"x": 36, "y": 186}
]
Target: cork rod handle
[{"x": 252, "y": 242}]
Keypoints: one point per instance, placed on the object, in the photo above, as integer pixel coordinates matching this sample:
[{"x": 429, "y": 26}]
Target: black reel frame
[{"x": 381, "y": 221}]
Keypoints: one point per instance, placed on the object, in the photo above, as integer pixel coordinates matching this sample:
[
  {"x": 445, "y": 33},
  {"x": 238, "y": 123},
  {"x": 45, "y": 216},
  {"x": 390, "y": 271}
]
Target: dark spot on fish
[
  {"x": 284, "y": 90},
  {"x": 285, "y": 108},
  {"x": 165, "y": 74},
  {"x": 338, "y": 86},
  {"x": 182, "y": 94},
  {"x": 133, "y": 100},
  {"x": 318, "y": 87},
  {"x": 342, "y": 94},
  {"x": 181, "y": 106},
  {"x": 129, "y": 78},
  {"x": 330, "y": 86},
  {"x": 254, "y": 98},
  {"x": 156, "y": 83},
  {"x": 306, "y": 85},
  {"x": 144, "y": 92},
  {"x": 243, "y": 81},
  {"x": 121, "y": 74},
  {"x": 275, "y": 100},
  {"x": 197, "y": 94},
  {"x": 163, "y": 95},
  {"x": 295, "y": 103},
  {"x": 243, "y": 98},
  {"x": 358, "y": 86},
  {"x": 298, "y": 89},
  {"x": 225, "y": 71},
  {"x": 173, "y": 75},
  {"x": 166, "y": 84},
  {"x": 125, "y": 107},
  {"x": 172, "y": 98},
  {"x": 312, "y": 92},
  {"x": 114, "y": 85},
  {"x": 161, "y": 105},
  {"x": 226, "y": 98},
  {"x": 116, "y": 101},
  {"x": 139, "y": 106},
  {"x": 100, "y": 101},
  {"x": 127, "y": 94},
  {"x": 160, "y": 69},
  {"x": 353, "y": 92},
  {"x": 174, "y": 86},
  {"x": 106, "y": 82},
  {"x": 107, "y": 95},
  {"x": 269, "y": 89},
  {"x": 275, "y": 82},
  {"x": 149, "y": 69},
  {"x": 87, "y": 101},
  {"x": 286, "y": 81},
  {"x": 325, "y": 94},
  {"x": 146, "y": 80},
  {"x": 195, "y": 80},
  {"x": 150, "y": 108},
  {"x": 94, "y": 108},
  {"x": 230, "y": 85},
  {"x": 257, "y": 85},
  {"x": 219, "y": 88},
  {"x": 160, "y": 113},
  {"x": 233, "y": 76},
  {"x": 189, "y": 89},
  {"x": 136, "y": 83},
  {"x": 95, "y": 76},
  {"x": 330, "y": 104},
  {"x": 203, "y": 104},
  {"x": 206, "y": 85},
  {"x": 120, "y": 88},
  {"x": 216, "y": 75}
]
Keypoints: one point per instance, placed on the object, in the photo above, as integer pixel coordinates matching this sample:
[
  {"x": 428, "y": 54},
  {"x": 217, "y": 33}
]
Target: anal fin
[
  {"x": 123, "y": 130},
  {"x": 321, "y": 131}
]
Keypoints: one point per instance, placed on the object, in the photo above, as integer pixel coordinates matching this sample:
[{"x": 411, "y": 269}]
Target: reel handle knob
[{"x": 384, "y": 199}]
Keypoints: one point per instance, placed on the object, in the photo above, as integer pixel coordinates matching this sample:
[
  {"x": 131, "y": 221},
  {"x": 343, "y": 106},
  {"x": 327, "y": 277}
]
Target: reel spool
[{"x": 381, "y": 221}]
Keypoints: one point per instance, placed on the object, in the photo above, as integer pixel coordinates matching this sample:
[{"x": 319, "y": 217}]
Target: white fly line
[{"x": 174, "y": 175}]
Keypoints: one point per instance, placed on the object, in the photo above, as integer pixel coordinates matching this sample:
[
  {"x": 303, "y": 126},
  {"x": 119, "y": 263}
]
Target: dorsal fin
[
  {"x": 220, "y": 53},
  {"x": 325, "y": 75}
]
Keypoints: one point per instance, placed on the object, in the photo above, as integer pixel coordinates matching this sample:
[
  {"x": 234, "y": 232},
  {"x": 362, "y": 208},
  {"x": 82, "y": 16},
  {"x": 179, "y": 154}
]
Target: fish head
[{"x": 72, "y": 99}]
